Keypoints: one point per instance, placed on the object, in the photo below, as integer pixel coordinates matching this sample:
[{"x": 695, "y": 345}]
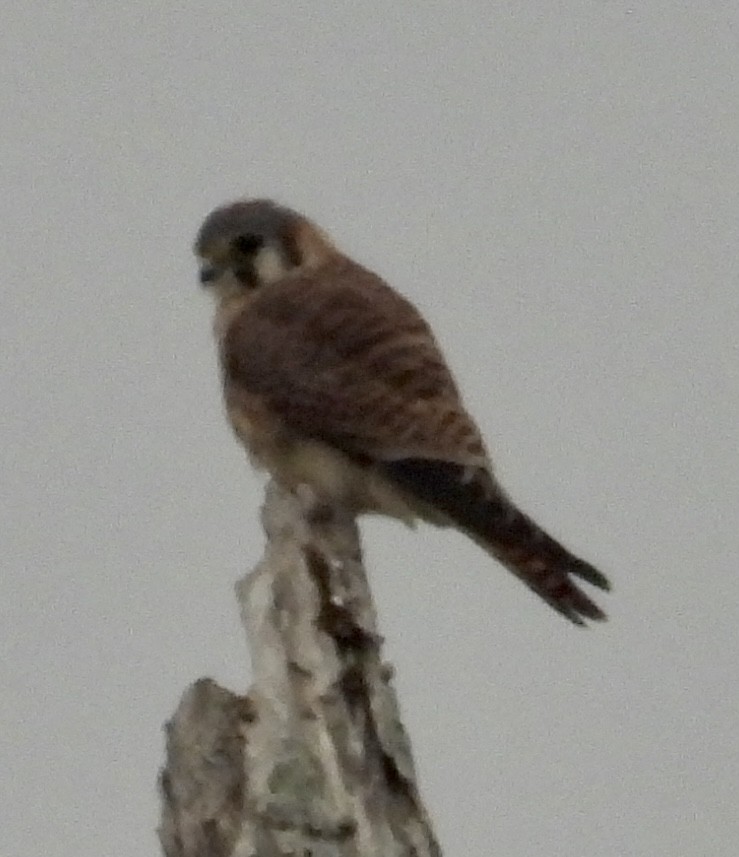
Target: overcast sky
[{"x": 556, "y": 185}]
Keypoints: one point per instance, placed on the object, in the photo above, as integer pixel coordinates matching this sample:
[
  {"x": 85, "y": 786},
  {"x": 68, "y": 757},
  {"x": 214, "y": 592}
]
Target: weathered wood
[{"x": 314, "y": 761}]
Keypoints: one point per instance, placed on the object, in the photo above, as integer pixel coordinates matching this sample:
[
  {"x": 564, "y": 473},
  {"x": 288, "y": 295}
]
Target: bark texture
[{"x": 314, "y": 761}]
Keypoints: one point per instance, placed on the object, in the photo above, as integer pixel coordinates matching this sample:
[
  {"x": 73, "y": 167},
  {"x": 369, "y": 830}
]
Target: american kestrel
[{"x": 333, "y": 379}]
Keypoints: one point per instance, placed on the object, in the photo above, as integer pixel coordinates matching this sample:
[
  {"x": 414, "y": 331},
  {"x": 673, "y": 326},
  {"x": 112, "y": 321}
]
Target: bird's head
[{"x": 248, "y": 244}]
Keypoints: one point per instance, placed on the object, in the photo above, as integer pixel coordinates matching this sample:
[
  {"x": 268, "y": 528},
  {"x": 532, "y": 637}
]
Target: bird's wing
[{"x": 344, "y": 359}]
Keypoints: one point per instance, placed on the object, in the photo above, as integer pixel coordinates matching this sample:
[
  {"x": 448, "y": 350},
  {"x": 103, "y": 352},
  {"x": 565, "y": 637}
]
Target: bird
[{"x": 334, "y": 380}]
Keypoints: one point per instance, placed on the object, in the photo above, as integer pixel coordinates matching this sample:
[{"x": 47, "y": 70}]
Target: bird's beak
[{"x": 208, "y": 273}]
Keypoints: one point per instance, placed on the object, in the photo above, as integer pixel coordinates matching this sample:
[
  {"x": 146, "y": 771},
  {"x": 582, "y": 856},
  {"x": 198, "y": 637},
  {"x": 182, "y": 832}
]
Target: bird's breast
[{"x": 293, "y": 460}]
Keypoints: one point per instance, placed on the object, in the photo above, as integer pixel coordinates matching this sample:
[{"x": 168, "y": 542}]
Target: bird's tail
[{"x": 471, "y": 500}]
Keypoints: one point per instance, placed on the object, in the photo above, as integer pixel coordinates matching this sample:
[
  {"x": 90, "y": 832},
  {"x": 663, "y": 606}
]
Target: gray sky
[{"x": 556, "y": 185}]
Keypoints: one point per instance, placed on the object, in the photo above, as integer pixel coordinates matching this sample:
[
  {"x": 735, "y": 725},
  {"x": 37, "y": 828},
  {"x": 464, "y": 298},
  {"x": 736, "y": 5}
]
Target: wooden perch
[{"x": 314, "y": 761}]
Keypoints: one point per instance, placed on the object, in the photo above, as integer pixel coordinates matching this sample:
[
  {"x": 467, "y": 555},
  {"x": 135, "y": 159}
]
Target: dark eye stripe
[{"x": 248, "y": 244}]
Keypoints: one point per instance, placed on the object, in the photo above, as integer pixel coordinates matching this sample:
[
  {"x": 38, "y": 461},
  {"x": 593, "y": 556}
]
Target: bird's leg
[{"x": 316, "y": 509}]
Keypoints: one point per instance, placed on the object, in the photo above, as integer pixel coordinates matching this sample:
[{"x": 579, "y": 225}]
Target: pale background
[{"x": 556, "y": 184}]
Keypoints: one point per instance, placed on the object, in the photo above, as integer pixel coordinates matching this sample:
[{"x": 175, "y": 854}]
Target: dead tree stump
[{"x": 314, "y": 761}]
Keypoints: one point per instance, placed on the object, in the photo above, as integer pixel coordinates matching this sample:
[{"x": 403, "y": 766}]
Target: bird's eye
[{"x": 248, "y": 244}]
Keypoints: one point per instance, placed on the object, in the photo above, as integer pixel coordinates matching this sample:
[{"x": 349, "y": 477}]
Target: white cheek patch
[
  {"x": 226, "y": 287},
  {"x": 269, "y": 265}
]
